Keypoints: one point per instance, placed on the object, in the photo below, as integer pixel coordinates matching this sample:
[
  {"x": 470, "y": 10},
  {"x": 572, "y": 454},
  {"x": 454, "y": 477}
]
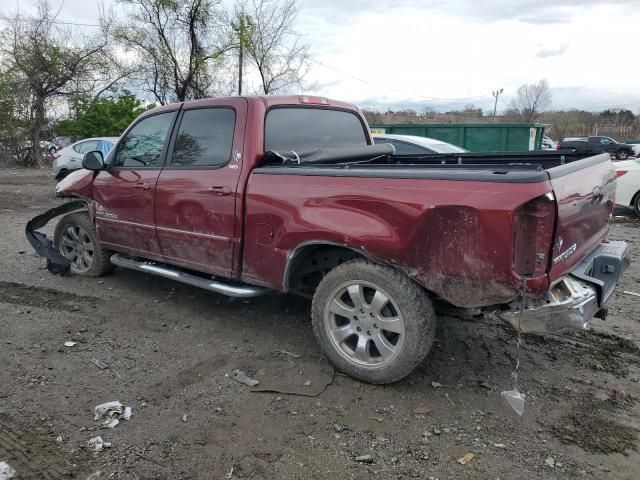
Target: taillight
[
  {"x": 533, "y": 233},
  {"x": 620, "y": 173},
  {"x": 558, "y": 146}
]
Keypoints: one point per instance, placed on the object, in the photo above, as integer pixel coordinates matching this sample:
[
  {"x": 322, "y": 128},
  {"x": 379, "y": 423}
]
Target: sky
[{"x": 446, "y": 54}]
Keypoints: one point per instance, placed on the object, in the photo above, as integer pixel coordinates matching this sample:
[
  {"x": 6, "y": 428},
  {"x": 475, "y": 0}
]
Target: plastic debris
[
  {"x": 436, "y": 384},
  {"x": 515, "y": 400},
  {"x": 632, "y": 293},
  {"x": 108, "y": 409},
  {"x": 113, "y": 412},
  {"x": 364, "y": 459},
  {"x": 288, "y": 354},
  {"x": 70, "y": 344},
  {"x": 550, "y": 462},
  {"x": 59, "y": 439},
  {"x": 94, "y": 475},
  {"x": 240, "y": 376},
  {"x": 99, "y": 364},
  {"x": 111, "y": 423},
  {"x": 466, "y": 458},
  {"x": 96, "y": 444},
  {"x": 184, "y": 418},
  {"x": 6, "y": 472}
]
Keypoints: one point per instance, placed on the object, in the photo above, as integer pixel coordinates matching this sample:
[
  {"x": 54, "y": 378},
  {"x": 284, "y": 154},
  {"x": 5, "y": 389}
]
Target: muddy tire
[
  {"x": 75, "y": 238},
  {"x": 374, "y": 323}
]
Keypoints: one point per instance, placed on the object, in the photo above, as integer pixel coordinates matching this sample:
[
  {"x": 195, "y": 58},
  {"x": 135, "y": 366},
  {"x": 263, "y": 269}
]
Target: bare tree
[
  {"x": 530, "y": 100},
  {"x": 179, "y": 45},
  {"x": 50, "y": 61},
  {"x": 272, "y": 45}
]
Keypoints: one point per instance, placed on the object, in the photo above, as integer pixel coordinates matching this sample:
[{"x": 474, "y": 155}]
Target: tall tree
[
  {"x": 179, "y": 45},
  {"x": 101, "y": 117},
  {"x": 531, "y": 99},
  {"x": 272, "y": 44},
  {"x": 51, "y": 61}
]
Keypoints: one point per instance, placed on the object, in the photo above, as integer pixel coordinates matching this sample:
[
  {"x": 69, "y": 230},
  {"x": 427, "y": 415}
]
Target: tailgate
[{"x": 585, "y": 194}]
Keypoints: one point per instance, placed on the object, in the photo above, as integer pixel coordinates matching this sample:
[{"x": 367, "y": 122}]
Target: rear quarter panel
[{"x": 453, "y": 237}]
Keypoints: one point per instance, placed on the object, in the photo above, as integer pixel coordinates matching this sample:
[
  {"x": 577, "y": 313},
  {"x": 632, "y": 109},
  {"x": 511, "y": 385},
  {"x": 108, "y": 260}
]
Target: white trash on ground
[
  {"x": 113, "y": 412},
  {"x": 6, "y": 472},
  {"x": 96, "y": 444}
]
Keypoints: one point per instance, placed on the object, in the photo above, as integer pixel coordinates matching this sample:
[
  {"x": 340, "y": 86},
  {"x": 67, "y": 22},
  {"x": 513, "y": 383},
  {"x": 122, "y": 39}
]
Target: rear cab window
[{"x": 305, "y": 128}]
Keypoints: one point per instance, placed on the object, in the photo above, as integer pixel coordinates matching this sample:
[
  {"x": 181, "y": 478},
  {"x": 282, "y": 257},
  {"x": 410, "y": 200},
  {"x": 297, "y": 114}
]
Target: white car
[
  {"x": 414, "y": 145},
  {"x": 70, "y": 158},
  {"x": 628, "y": 184}
]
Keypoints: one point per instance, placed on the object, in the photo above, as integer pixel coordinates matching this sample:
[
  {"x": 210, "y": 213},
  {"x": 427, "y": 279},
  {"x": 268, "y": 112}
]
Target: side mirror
[{"x": 93, "y": 161}]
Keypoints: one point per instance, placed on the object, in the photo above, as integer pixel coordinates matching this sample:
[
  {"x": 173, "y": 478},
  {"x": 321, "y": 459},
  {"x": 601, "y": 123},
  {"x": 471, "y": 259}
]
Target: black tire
[
  {"x": 415, "y": 310},
  {"x": 636, "y": 204},
  {"x": 623, "y": 154},
  {"x": 100, "y": 264},
  {"x": 62, "y": 174}
]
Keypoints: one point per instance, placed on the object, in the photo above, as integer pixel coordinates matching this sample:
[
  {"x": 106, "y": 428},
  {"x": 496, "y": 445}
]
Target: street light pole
[{"x": 496, "y": 93}]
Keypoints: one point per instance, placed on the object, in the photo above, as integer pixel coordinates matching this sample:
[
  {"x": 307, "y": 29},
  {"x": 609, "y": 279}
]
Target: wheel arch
[{"x": 310, "y": 258}]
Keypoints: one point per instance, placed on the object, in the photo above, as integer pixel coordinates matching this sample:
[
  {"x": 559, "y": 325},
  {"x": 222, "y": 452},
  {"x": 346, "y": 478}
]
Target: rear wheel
[
  {"x": 75, "y": 238},
  {"x": 372, "y": 321},
  {"x": 636, "y": 204},
  {"x": 622, "y": 155}
]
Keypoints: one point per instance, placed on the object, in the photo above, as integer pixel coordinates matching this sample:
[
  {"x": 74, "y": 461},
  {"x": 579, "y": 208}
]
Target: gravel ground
[{"x": 170, "y": 350}]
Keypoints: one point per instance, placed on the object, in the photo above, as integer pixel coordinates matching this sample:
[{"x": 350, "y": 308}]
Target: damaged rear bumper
[{"x": 574, "y": 300}]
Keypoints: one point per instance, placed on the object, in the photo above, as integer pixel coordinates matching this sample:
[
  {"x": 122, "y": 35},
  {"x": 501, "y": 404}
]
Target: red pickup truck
[{"x": 247, "y": 195}]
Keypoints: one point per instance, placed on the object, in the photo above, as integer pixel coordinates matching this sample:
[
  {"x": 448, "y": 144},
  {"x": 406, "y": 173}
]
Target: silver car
[
  {"x": 70, "y": 158},
  {"x": 414, "y": 145}
]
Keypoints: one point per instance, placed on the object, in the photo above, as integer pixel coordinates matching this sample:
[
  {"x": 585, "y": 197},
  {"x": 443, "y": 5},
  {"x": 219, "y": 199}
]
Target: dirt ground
[{"x": 171, "y": 349}]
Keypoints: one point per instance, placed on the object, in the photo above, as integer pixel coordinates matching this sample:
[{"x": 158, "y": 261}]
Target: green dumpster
[{"x": 475, "y": 137}]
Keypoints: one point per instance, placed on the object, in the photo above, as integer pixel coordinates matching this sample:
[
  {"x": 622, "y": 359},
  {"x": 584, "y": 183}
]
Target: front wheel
[
  {"x": 622, "y": 155},
  {"x": 373, "y": 322},
  {"x": 636, "y": 204},
  {"x": 75, "y": 238}
]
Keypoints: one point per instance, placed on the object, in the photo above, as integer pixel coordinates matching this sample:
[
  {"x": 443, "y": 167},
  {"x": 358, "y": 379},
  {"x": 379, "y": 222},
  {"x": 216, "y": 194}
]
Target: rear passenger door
[{"x": 195, "y": 199}]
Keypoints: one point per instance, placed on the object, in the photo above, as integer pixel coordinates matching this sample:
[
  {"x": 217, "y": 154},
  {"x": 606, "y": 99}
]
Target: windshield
[{"x": 301, "y": 129}]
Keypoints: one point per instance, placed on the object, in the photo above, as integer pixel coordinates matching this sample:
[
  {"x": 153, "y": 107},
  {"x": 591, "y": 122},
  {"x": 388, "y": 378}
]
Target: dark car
[{"x": 621, "y": 151}]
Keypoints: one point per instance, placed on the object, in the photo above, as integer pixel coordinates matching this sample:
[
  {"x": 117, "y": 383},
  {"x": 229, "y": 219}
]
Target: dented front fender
[{"x": 76, "y": 184}]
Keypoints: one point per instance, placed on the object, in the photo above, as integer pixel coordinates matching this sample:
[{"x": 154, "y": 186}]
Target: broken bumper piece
[
  {"x": 574, "y": 300},
  {"x": 56, "y": 263}
]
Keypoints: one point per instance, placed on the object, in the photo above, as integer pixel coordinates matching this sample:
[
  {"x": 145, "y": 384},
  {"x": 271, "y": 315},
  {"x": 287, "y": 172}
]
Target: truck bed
[{"x": 455, "y": 227}]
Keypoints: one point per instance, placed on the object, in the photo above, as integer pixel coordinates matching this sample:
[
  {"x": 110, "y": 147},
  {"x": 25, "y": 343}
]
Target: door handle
[
  {"x": 141, "y": 186},
  {"x": 220, "y": 190}
]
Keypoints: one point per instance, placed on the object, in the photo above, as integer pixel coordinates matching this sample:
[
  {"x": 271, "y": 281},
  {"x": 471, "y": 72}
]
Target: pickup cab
[
  {"x": 593, "y": 145},
  {"x": 250, "y": 195}
]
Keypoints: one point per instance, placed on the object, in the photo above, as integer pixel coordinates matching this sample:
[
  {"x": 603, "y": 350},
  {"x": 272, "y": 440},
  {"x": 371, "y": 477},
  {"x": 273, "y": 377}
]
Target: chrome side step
[{"x": 167, "y": 271}]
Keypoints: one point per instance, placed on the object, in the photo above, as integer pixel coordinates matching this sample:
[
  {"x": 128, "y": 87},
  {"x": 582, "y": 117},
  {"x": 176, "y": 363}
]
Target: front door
[
  {"x": 125, "y": 191},
  {"x": 196, "y": 191}
]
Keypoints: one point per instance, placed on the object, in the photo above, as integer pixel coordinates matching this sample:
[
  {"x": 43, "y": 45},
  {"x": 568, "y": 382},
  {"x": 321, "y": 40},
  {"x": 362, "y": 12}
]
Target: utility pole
[
  {"x": 496, "y": 93},
  {"x": 239, "y": 28}
]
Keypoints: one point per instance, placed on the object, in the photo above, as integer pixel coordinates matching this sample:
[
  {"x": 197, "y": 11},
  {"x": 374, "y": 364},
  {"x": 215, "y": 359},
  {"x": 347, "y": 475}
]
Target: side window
[
  {"x": 142, "y": 146},
  {"x": 88, "y": 146},
  {"x": 205, "y": 138},
  {"x": 403, "y": 148},
  {"x": 605, "y": 141}
]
